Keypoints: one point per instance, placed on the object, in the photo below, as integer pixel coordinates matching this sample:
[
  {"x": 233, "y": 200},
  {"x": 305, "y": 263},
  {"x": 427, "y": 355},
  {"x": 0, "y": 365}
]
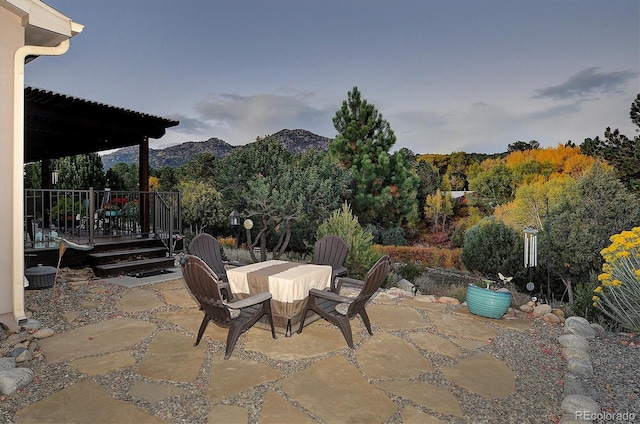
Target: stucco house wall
[{"x": 22, "y": 23}]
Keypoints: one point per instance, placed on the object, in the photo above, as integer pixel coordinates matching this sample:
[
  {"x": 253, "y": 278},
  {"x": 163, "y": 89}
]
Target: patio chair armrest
[
  {"x": 338, "y": 272},
  {"x": 330, "y": 296},
  {"x": 250, "y": 301},
  {"x": 348, "y": 281}
]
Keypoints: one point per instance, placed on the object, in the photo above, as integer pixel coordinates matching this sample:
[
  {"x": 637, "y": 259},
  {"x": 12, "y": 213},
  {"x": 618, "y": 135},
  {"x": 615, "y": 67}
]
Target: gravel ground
[
  {"x": 615, "y": 384},
  {"x": 535, "y": 357}
]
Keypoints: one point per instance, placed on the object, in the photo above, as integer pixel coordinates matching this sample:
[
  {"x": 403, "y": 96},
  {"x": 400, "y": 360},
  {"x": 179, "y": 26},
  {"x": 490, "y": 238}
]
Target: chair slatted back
[
  {"x": 207, "y": 248},
  {"x": 330, "y": 250},
  {"x": 202, "y": 281},
  {"x": 372, "y": 282}
]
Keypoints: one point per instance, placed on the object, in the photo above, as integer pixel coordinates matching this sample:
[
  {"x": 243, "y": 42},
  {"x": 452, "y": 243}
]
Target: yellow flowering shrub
[
  {"x": 618, "y": 292},
  {"x": 228, "y": 242}
]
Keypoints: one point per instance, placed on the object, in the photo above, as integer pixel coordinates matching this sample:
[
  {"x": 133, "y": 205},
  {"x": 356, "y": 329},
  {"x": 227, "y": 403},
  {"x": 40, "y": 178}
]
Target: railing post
[
  {"x": 170, "y": 231},
  {"x": 91, "y": 217}
]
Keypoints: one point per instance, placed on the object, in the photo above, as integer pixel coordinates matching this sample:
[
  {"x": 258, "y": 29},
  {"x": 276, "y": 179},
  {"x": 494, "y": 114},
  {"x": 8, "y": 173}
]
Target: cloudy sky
[{"x": 448, "y": 75}]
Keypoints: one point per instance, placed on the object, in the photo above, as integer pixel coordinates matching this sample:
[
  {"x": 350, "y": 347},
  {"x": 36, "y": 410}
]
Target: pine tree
[{"x": 384, "y": 185}]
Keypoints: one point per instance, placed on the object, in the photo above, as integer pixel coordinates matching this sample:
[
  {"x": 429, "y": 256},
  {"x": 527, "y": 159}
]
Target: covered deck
[{"x": 102, "y": 219}]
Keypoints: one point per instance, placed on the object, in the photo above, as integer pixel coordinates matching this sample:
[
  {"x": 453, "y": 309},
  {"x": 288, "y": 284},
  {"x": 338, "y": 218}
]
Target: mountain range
[{"x": 294, "y": 141}]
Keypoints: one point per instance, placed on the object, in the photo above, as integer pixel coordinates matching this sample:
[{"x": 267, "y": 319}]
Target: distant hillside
[
  {"x": 294, "y": 141},
  {"x": 297, "y": 141}
]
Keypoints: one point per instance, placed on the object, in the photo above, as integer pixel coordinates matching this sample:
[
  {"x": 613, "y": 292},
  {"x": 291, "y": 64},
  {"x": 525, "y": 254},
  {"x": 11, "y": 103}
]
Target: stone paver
[
  {"x": 89, "y": 304},
  {"x": 100, "y": 365},
  {"x": 179, "y": 297},
  {"x": 338, "y": 393},
  {"x": 394, "y": 317},
  {"x": 81, "y": 403},
  {"x": 227, "y": 414},
  {"x": 106, "y": 336},
  {"x": 346, "y": 386},
  {"x": 316, "y": 339},
  {"x": 470, "y": 344},
  {"x": 70, "y": 316},
  {"x": 136, "y": 300},
  {"x": 515, "y": 323},
  {"x": 387, "y": 356},
  {"x": 429, "y": 306},
  {"x": 433, "y": 397},
  {"x": 412, "y": 415},
  {"x": 168, "y": 285},
  {"x": 277, "y": 410},
  {"x": 172, "y": 356},
  {"x": 483, "y": 374},
  {"x": 436, "y": 344},
  {"x": 235, "y": 375},
  {"x": 190, "y": 319},
  {"x": 462, "y": 326},
  {"x": 154, "y": 392}
]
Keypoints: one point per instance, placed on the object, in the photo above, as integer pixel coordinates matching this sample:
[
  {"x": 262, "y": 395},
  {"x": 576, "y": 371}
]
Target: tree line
[{"x": 576, "y": 196}]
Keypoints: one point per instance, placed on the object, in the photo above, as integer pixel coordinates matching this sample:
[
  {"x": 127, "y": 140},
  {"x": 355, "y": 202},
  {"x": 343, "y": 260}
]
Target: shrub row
[{"x": 432, "y": 257}]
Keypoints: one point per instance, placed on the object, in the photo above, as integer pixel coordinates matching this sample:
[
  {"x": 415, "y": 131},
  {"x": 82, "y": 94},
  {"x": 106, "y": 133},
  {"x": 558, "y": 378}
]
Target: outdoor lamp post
[
  {"x": 530, "y": 252},
  {"x": 234, "y": 220}
]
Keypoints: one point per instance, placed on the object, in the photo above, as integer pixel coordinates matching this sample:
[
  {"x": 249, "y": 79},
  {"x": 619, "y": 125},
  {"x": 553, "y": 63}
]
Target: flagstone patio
[{"x": 420, "y": 359}]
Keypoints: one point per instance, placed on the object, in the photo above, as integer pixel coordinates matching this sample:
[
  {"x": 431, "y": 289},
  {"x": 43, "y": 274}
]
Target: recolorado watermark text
[{"x": 606, "y": 416}]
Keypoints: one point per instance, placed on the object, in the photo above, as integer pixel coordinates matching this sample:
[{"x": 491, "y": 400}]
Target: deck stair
[{"x": 131, "y": 257}]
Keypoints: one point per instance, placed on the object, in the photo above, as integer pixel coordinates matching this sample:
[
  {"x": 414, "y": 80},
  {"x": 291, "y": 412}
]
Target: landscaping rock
[
  {"x": 7, "y": 363},
  {"x": 13, "y": 379},
  {"x": 579, "y": 403},
  {"x": 575, "y": 353},
  {"x": 14, "y": 339},
  {"x": 407, "y": 286},
  {"x": 32, "y": 325},
  {"x": 579, "y": 366},
  {"x": 448, "y": 300},
  {"x": 573, "y": 386},
  {"x": 43, "y": 333},
  {"x": 540, "y": 310},
  {"x": 551, "y": 318},
  {"x": 428, "y": 298},
  {"x": 574, "y": 341},
  {"x": 599, "y": 329},
  {"x": 526, "y": 308},
  {"x": 579, "y": 326},
  {"x": 24, "y": 356}
]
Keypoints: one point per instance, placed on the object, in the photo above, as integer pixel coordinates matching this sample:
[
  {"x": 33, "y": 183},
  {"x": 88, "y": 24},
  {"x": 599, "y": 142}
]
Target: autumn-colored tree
[
  {"x": 494, "y": 186},
  {"x": 201, "y": 205},
  {"x": 549, "y": 160},
  {"x": 154, "y": 182},
  {"x": 529, "y": 206},
  {"x": 433, "y": 207},
  {"x": 583, "y": 212}
]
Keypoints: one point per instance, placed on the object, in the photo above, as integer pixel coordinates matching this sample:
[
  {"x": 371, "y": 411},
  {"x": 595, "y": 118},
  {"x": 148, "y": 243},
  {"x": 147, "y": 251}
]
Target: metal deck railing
[{"x": 84, "y": 215}]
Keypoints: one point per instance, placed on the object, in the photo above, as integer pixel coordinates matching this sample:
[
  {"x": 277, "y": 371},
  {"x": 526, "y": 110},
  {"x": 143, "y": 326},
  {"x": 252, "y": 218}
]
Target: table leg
[{"x": 287, "y": 332}]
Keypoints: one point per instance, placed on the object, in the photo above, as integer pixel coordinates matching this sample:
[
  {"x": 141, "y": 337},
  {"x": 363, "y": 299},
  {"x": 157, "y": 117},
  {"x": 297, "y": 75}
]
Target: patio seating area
[{"x": 425, "y": 362}]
